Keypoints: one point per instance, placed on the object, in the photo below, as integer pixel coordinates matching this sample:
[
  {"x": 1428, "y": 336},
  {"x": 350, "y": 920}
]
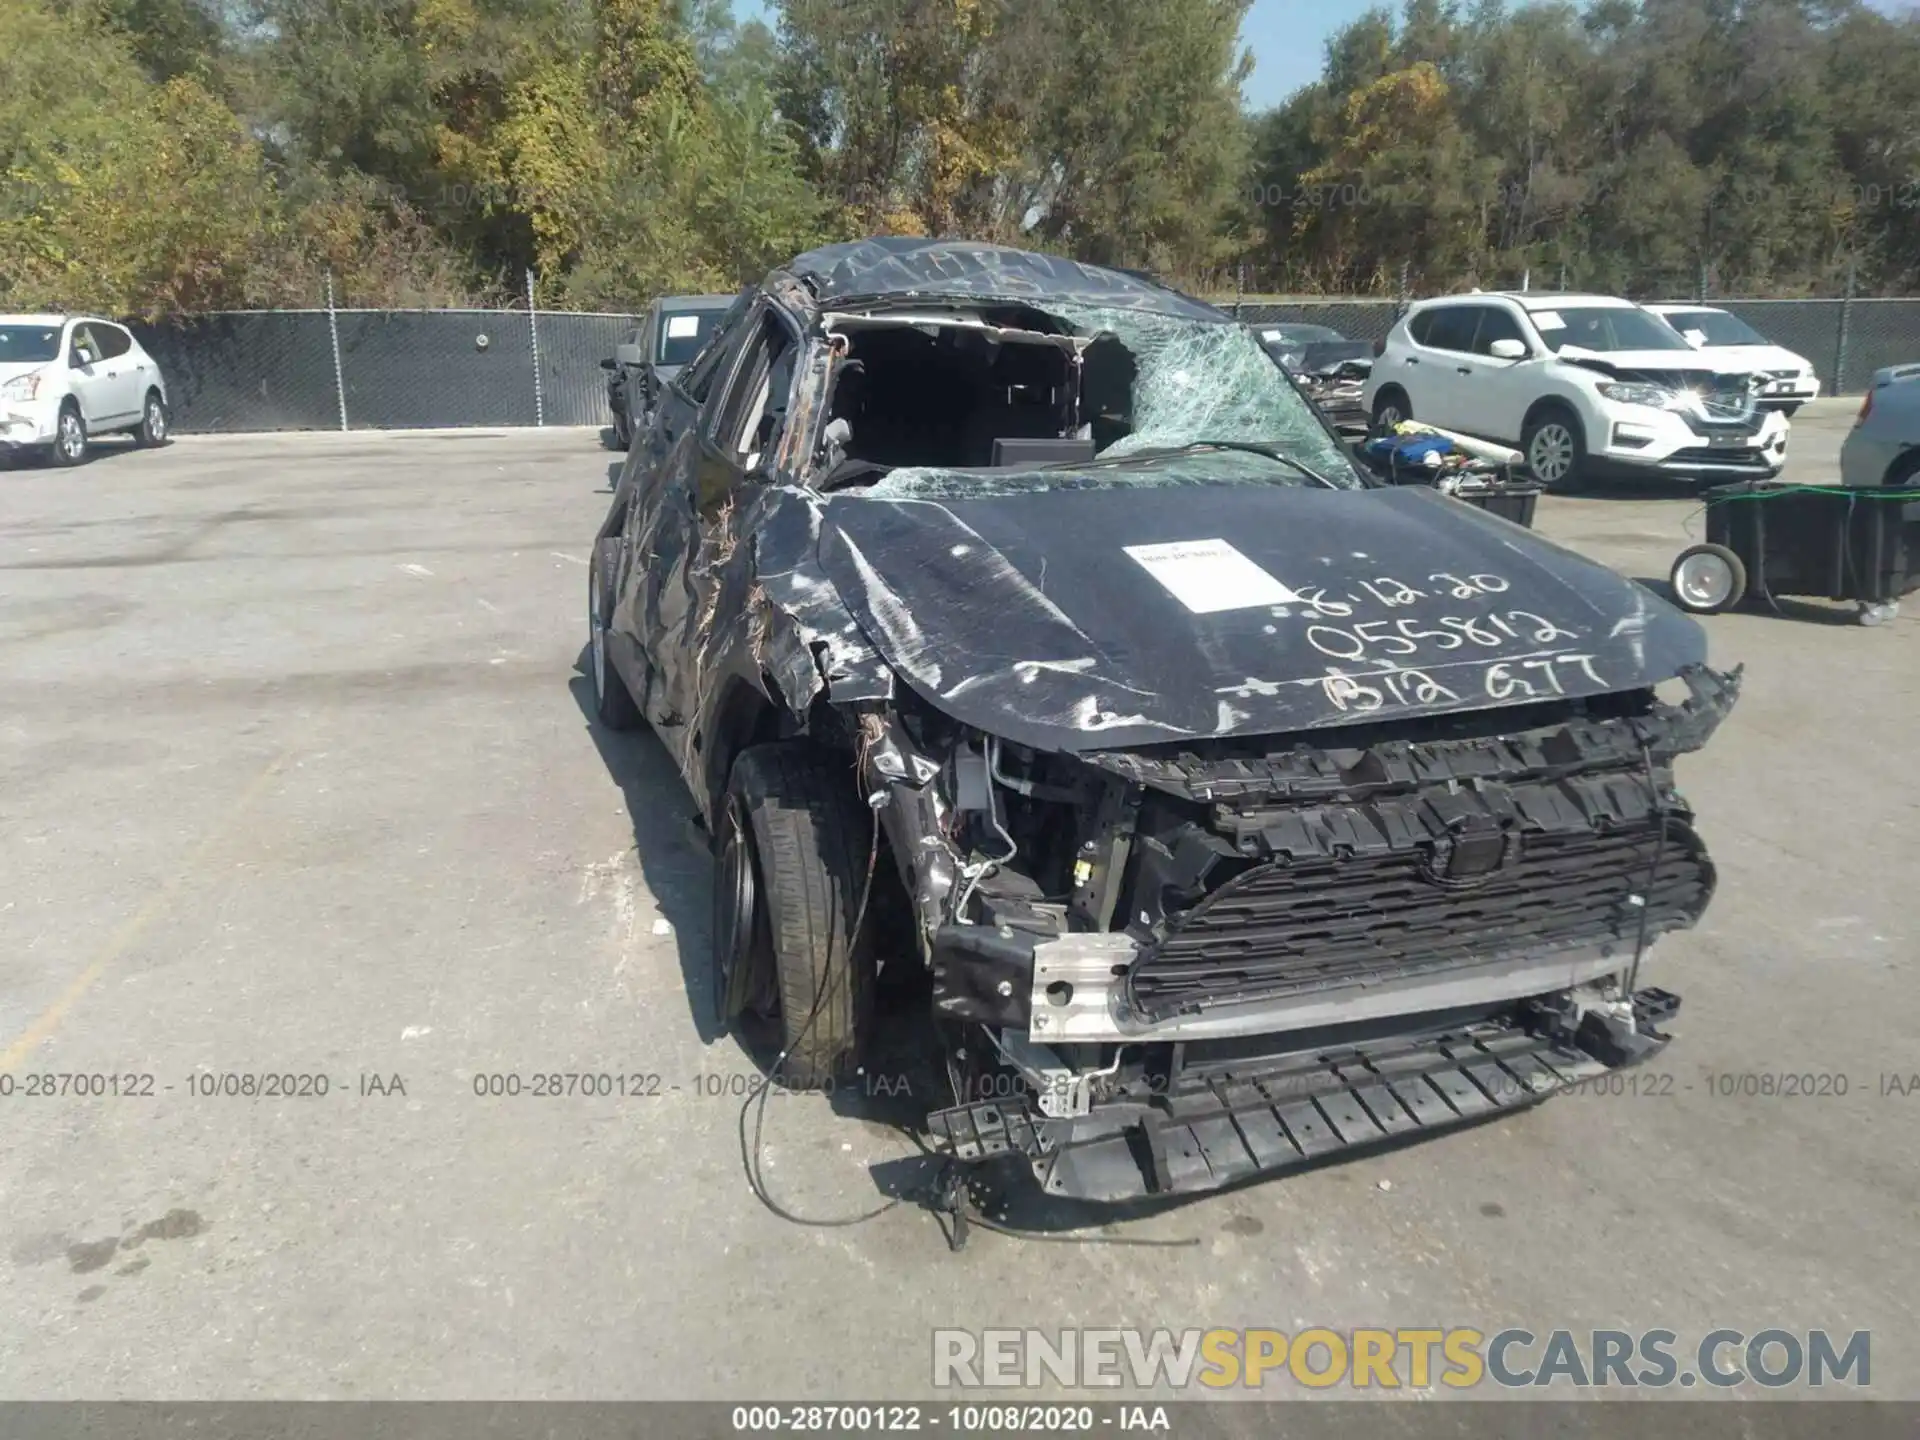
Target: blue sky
[{"x": 1289, "y": 39}]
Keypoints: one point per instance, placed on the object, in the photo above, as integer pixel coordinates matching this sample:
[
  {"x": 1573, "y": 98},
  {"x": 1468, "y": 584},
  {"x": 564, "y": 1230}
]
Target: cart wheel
[
  {"x": 1879, "y": 614},
  {"x": 1707, "y": 579}
]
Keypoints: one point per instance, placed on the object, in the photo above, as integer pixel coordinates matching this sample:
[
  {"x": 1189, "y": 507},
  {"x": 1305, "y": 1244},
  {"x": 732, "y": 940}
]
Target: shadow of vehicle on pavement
[
  {"x": 1778, "y": 607},
  {"x": 899, "y": 1081},
  {"x": 99, "y": 447},
  {"x": 1650, "y": 487}
]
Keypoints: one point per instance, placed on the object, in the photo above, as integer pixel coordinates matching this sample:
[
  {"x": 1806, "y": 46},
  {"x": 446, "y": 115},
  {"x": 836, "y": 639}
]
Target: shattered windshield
[{"x": 1159, "y": 383}]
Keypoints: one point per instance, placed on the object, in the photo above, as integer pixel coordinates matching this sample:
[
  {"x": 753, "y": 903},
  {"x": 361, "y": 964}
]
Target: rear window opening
[
  {"x": 961, "y": 394},
  {"x": 683, "y": 333},
  {"x": 960, "y": 402}
]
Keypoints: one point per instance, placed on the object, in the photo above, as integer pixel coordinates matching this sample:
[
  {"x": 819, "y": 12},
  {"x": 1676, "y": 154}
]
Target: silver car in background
[{"x": 1883, "y": 448}]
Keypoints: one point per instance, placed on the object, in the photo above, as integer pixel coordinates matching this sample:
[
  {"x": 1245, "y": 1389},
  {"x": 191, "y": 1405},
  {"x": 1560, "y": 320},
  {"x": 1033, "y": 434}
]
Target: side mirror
[
  {"x": 629, "y": 354},
  {"x": 608, "y": 364},
  {"x": 1508, "y": 350},
  {"x": 1695, "y": 338}
]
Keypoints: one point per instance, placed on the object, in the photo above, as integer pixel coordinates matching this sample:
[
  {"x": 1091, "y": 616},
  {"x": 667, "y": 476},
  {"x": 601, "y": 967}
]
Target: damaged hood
[
  {"x": 1659, "y": 366},
  {"x": 1335, "y": 357},
  {"x": 1763, "y": 359},
  {"x": 1073, "y": 620}
]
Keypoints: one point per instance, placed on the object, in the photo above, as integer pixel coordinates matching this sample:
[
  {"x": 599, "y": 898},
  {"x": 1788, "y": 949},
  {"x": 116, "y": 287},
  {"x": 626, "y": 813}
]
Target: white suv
[
  {"x": 1728, "y": 343},
  {"x": 1584, "y": 385},
  {"x": 65, "y": 378}
]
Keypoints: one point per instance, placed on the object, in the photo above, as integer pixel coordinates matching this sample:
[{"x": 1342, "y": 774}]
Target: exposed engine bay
[
  {"x": 1133, "y": 927},
  {"x": 1333, "y": 378}
]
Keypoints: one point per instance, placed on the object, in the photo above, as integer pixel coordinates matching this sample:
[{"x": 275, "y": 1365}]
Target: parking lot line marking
[{"x": 137, "y": 924}]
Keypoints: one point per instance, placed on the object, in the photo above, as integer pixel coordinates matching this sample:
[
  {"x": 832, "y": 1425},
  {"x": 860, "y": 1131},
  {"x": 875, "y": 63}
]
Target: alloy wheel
[{"x": 1550, "y": 456}]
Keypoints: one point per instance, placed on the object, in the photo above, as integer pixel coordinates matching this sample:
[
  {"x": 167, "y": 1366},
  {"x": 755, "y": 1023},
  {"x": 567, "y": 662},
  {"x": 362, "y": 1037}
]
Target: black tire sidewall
[
  {"x": 811, "y": 844},
  {"x": 144, "y": 435},
  {"x": 1395, "y": 396},
  {"x": 731, "y": 983},
  {"x": 613, "y": 703}
]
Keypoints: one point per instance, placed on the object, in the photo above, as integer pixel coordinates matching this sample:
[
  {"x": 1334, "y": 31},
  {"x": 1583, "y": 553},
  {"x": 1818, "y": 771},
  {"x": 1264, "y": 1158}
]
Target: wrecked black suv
[{"x": 1240, "y": 811}]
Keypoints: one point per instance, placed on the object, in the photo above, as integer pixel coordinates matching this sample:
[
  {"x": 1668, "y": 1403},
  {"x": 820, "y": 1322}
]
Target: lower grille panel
[{"x": 1280, "y": 928}]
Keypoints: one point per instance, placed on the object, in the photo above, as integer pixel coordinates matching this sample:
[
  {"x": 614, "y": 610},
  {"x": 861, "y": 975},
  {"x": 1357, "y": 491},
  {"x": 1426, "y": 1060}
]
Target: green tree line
[{"x": 163, "y": 156}]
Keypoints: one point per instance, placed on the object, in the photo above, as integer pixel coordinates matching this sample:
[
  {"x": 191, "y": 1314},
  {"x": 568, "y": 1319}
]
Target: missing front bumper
[{"x": 1253, "y": 1122}]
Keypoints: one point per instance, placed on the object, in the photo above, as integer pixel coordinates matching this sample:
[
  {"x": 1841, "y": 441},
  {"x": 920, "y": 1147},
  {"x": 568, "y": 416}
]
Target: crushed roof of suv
[{"x": 906, "y": 267}]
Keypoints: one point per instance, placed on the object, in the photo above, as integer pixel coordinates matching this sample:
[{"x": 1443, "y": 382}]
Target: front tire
[
  {"x": 155, "y": 424},
  {"x": 1555, "y": 446},
  {"x": 69, "y": 436},
  {"x": 1390, "y": 407},
  {"x": 809, "y": 842},
  {"x": 613, "y": 703}
]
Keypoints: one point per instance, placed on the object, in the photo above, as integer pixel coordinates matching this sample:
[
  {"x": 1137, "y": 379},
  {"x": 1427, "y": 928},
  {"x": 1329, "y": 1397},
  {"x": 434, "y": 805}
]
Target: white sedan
[{"x": 67, "y": 378}]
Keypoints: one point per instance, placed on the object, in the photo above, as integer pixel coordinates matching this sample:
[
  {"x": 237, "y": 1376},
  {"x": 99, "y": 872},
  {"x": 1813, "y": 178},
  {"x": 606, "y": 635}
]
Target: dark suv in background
[{"x": 671, "y": 333}]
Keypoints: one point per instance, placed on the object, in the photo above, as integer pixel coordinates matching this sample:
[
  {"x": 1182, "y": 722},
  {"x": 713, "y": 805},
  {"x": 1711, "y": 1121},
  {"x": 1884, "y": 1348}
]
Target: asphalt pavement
[{"x": 308, "y": 844}]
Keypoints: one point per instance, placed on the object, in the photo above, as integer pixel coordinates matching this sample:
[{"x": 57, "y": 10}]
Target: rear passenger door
[
  {"x": 1440, "y": 396},
  {"x": 126, "y": 386}
]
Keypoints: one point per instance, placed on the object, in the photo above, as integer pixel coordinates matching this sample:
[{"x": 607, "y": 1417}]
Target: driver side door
[
  {"x": 1504, "y": 388},
  {"x": 657, "y": 525},
  {"x": 719, "y": 460}
]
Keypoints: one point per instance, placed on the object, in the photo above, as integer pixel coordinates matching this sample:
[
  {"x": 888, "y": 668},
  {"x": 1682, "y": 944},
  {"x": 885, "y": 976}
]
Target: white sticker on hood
[
  {"x": 1210, "y": 575},
  {"x": 681, "y": 326},
  {"x": 1270, "y": 335},
  {"x": 1548, "y": 320}
]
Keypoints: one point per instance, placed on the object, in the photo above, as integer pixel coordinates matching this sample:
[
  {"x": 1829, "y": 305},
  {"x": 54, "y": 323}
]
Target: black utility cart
[
  {"x": 1485, "y": 484},
  {"x": 1766, "y": 539}
]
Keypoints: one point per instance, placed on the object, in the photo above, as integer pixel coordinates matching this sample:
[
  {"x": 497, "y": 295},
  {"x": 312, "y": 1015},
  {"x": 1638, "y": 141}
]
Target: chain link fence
[
  {"x": 384, "y": 369},
  {"x": 427, "y": 369}
]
